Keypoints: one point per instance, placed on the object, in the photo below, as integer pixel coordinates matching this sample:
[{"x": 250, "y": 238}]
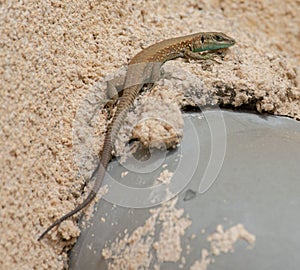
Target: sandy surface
[{"x": 52, "y": 53}]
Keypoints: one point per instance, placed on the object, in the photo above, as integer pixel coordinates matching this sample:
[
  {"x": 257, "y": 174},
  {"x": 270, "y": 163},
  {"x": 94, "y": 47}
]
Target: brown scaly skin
[{"x": 144, "y": 65}]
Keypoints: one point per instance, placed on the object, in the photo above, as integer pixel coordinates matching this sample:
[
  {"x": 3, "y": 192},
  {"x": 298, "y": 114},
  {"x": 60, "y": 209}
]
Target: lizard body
[{"x": 140, "y": 68}]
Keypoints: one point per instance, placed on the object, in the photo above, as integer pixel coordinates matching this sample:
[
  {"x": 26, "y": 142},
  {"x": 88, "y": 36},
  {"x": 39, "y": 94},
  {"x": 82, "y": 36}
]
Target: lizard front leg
[{"x": 188, "y": 54}]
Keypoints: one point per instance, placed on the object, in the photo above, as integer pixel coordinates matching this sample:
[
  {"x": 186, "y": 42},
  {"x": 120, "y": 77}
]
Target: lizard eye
[
  {"x": 218, "y": 38},
  {"x": 202, "y": 39}
]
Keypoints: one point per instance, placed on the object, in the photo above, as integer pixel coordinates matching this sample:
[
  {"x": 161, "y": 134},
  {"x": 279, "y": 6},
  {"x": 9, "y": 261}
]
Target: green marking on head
[{"x": 212, "y": 41}]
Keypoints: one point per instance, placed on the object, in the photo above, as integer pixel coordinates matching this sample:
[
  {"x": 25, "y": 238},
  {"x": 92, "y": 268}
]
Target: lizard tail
[
  {"x": 85, "y": 203},
  {"x": 99, "y": 175}
]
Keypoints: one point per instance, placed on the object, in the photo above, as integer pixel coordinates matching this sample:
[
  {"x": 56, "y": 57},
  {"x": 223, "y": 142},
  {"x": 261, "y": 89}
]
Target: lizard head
[{"x": 211, "y": 41}]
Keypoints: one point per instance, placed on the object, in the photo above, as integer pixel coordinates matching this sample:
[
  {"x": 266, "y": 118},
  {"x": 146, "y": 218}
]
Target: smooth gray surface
[{"x": 258, "y": 186}]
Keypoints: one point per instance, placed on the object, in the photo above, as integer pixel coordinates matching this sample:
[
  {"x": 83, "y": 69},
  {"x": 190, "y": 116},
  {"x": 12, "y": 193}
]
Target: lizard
[{"x": 198, "y": 46}]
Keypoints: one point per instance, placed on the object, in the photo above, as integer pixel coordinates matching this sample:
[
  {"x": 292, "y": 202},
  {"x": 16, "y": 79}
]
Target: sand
[{"x": 52, "y": 54}]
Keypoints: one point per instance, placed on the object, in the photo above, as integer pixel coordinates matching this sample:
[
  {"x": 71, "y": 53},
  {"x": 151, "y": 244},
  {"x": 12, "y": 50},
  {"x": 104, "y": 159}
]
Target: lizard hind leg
[
  {"x": 147, "y": 87},
  {"x": 112, "y": 95}
]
